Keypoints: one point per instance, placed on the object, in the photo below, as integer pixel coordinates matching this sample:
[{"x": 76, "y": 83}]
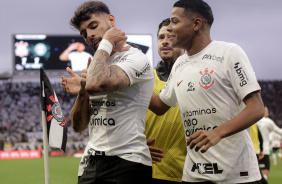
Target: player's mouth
[{"x": 166, "y": 49}]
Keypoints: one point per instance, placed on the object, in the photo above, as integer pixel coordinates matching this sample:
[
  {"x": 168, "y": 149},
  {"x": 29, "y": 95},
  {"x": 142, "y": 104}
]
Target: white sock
[{"x": 274, "y": 158}]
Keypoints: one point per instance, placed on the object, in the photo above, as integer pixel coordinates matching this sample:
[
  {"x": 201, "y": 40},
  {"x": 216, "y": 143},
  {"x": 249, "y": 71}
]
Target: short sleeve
[
  {"x": 241, "y": 73},
  {"x": 137, "y": 66},
  {"x": 168, "y": 93}
]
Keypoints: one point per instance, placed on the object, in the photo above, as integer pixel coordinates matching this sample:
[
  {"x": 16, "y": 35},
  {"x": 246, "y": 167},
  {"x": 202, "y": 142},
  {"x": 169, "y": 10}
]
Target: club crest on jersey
[
  {"x": 56, "y": 112},
  {"x": 206, "y": 79}
]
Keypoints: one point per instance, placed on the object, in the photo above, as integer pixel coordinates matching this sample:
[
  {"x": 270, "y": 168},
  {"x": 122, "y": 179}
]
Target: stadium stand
[{"x": 20, "y": 113}]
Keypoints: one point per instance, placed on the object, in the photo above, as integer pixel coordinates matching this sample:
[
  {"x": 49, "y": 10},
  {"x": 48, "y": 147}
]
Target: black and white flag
[{"x": 56, "y": 124}]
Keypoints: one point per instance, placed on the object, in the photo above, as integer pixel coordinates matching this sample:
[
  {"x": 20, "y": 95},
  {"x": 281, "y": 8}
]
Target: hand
[
  {"x": 71, "y": 85},
  {"x": 73, "y": 46},
  {"x": 117, "y": 38},
  {"x": 203, "y": 138},
  {"x": 261, "y": 155},
  {"x": 84, "y": 73},
  {"x": 156, "y": 153}
]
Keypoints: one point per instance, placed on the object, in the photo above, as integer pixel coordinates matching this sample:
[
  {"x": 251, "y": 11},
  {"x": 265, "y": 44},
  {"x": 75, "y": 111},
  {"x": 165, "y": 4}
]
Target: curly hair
[
  {"x": 165, "y": 22},
  {"x": 196, "y": 6},
  {"x": 85, "y": 11}
]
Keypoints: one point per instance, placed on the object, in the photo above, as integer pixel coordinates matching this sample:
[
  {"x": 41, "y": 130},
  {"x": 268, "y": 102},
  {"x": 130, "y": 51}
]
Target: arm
[
  {"x": 253, "y": 112},
  {"x": 276, "y": 129},
  {"x": 80, "y": 112},
  {"x": 260, "y": 140},
  {"x": 157, "y": 106},
  {"x": 65, "y": 54},
  {"x": 156, "y": 153},
  {"x": 72, "y": 85},
  {"x": 102, "y": 78},
  {"x": 260, "y": 155}
]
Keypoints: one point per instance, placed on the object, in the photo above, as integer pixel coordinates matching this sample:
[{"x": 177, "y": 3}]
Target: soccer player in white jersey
[
  {"x": 266, "y": 125},
  {"x": 219, "y": 99},
  {"x": 275, "y": 141},
  {"x": 113, "y": 97}
]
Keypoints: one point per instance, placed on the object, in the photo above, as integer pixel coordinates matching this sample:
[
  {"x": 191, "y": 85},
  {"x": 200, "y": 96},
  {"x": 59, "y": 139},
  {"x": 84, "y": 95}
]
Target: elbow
[
  {"x": 63, "y": 58},
  {"x": 77, "y": 126},
  {"x": 77, "y": 129},
  {"x": 261, "y": 112},
  {"x": 76, "y": 123},
  {"x": 157, "y": 111}
]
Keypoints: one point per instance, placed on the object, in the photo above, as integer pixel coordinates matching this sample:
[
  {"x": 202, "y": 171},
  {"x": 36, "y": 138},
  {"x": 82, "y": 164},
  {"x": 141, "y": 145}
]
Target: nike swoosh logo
[{"x": 179, "y": 83}]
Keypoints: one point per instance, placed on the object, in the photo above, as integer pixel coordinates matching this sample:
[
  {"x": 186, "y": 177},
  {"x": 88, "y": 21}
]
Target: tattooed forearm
[
  {"x": 99, "y": 69},
  {"x": 103, "y": 78},
  {"x": 80, "y": 112}
]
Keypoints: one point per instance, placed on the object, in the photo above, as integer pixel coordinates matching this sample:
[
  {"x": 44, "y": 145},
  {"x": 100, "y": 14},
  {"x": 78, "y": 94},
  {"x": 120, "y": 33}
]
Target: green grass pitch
[{"x": 63, "y": 170}]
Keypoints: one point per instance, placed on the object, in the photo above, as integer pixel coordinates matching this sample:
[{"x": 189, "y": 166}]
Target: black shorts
[
  {"x": 275, "y": 149},
  {"x": 115, "y": 170},
  {"x": 264, "y": 163}
]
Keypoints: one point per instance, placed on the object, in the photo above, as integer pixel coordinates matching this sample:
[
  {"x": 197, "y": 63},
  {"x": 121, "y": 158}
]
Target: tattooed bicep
[{"x": 119, "y": 77}]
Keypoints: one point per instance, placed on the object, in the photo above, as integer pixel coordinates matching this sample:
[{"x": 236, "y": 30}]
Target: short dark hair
[
  {"x": 85, "y": 11},
  {"x": 196, "y": 6},
  {"x": 165, "y": 22}
]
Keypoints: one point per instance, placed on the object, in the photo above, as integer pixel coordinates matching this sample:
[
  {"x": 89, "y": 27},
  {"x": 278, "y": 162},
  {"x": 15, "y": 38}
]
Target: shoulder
[
  {"x": 135, "y": 52},
  {"x": 222, "y": 46},
  {"x": 181, "y": 60}
]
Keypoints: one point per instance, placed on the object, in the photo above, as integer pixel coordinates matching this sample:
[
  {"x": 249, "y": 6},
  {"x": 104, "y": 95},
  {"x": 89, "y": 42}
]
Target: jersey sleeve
[
  {"x": 168, "y": 95},
  {"x": 241, "y": 73},
  {"x": 275, "y": 128},
  {"x": 137, "y": 66}
]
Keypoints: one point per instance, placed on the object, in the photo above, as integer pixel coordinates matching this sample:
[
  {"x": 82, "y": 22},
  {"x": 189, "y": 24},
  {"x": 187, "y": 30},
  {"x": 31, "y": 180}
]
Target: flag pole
[{"x": 45, "y": 143}]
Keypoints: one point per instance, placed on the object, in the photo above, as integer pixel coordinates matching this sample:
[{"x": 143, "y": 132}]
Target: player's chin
[{"x": 166, "y": 57}]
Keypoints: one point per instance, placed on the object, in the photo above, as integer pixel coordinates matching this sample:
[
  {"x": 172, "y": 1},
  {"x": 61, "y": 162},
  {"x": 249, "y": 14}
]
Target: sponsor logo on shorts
[
  {"x": 206, "y": 168},
  {"x": 206, "y": 79},
  {"x": 213, "y": 58},
  {"x": 241, "y": 74}
]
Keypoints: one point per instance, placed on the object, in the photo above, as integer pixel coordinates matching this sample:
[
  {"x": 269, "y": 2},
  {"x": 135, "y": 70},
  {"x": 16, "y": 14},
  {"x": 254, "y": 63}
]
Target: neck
[{"x": 200, "y": 41}]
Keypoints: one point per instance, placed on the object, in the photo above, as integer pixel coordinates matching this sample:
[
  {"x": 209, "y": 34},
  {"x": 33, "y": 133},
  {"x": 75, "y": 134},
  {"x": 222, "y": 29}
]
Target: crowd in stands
[
  {"x": 20, "y": 112},
  {"x": 271, "y": 92},
  {"x": 20, "y": 109}
]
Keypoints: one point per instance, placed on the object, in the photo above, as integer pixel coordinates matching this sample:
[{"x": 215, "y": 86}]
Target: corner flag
[{"x": 51, "y": 109}]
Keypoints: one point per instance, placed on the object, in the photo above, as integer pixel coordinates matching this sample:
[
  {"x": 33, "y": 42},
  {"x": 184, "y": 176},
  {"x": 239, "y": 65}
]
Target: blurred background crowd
[{"x": 20, "y": 110}]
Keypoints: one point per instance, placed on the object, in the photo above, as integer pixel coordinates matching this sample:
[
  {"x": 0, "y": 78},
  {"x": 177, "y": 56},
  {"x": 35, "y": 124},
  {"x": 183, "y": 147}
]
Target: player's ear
[
  {"x": 111, "y": 20},
  {"x": 197, "y": 23}
]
